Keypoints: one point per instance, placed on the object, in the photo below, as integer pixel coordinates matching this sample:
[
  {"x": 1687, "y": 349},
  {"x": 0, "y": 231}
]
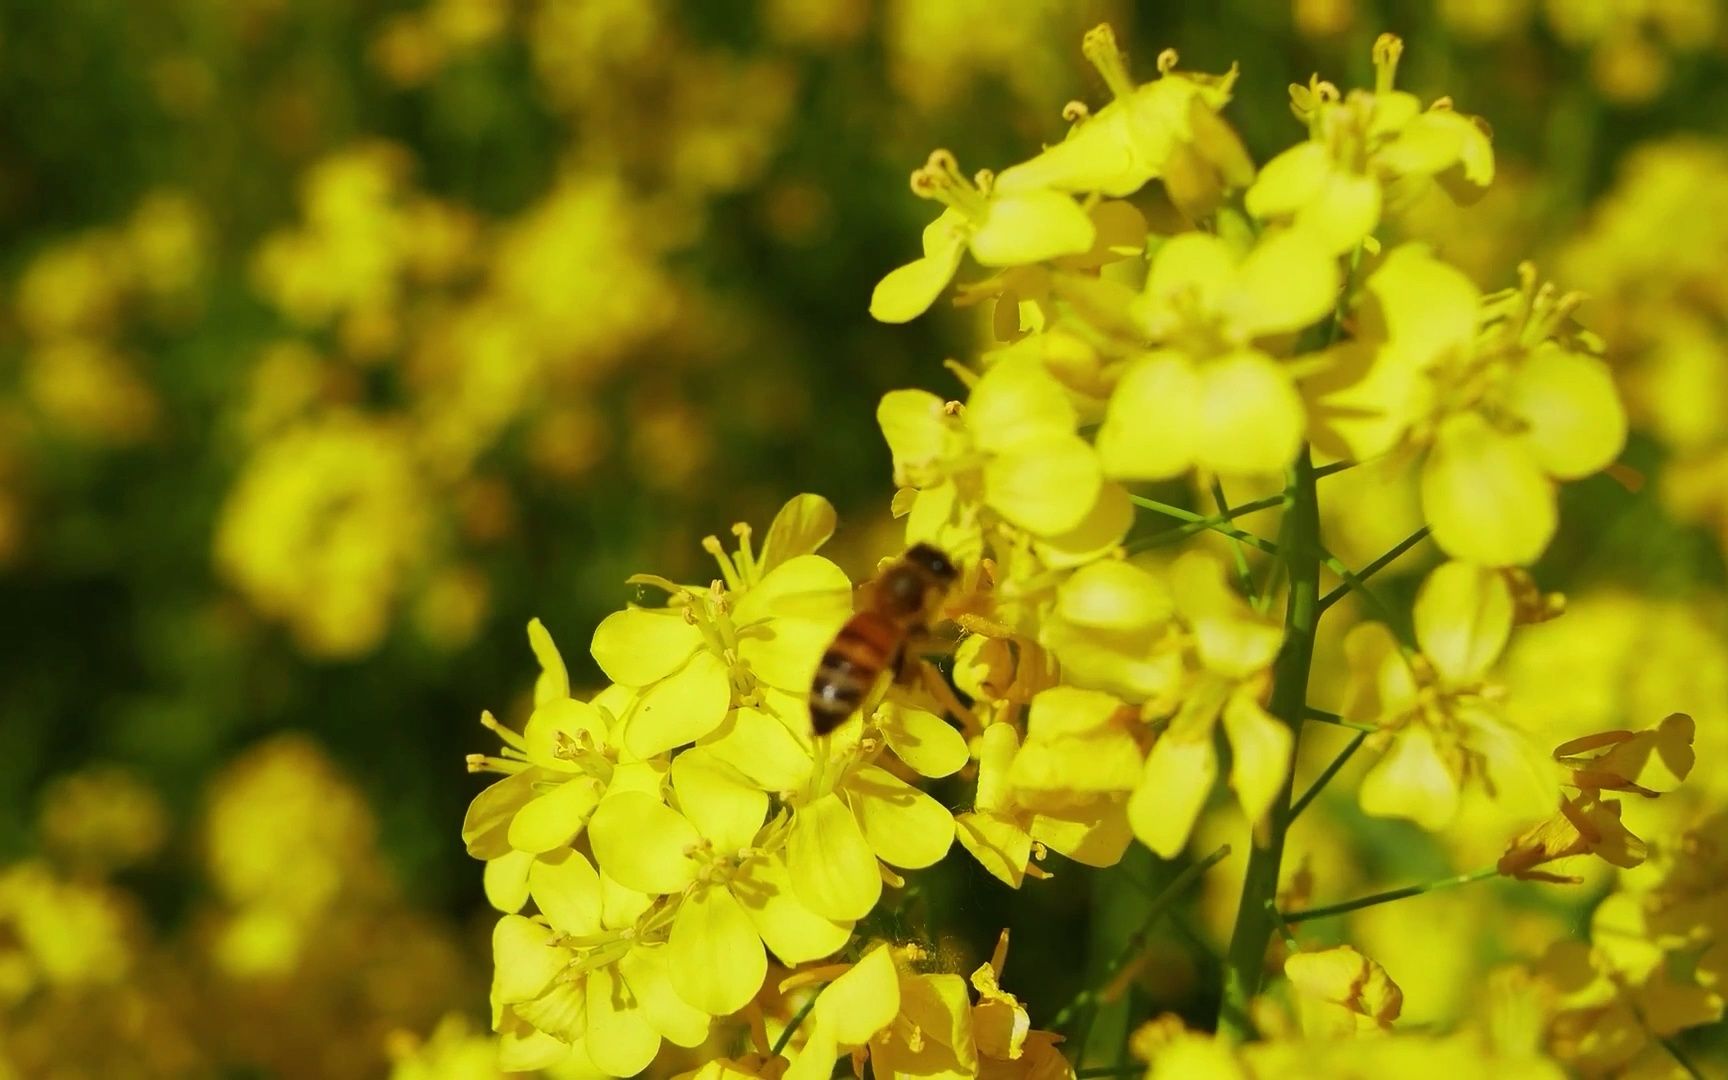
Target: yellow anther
[
  {"x": 1100, "y": 48},
  {"x": 1387, "y": 50},
  {"x": 1167, "y": 61}
]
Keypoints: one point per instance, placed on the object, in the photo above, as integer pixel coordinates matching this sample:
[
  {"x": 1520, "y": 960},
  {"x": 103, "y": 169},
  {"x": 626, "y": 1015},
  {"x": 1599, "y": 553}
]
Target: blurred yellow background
[{"x": 337, "y": 339}]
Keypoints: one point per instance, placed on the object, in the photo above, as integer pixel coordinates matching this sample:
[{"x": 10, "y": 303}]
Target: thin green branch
[
  {"x": 1324, "y": 717},
  {"x": 1133, "y": 1069},
  {"x": 792, "y": 1024},
  {"x": 1356, "y": 580},
  {"x": 1334, "y": 469},
  {"x": 1376, "y": 899},
  {"x": 1199, "y": 523},
  {"x": 1242, "y": 570},
  {"x": 1680, "y": 1057},
  {"x": 1327, "y": 774},
  {"x": 1136, "y": 943}
]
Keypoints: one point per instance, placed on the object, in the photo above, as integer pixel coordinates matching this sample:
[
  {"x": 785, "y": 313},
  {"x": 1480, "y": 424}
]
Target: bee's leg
[{"x": 936, "y": 686}]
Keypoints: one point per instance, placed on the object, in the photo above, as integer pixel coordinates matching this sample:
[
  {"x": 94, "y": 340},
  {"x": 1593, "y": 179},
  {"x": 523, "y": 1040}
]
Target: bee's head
[{"x": 933, "y": 562}]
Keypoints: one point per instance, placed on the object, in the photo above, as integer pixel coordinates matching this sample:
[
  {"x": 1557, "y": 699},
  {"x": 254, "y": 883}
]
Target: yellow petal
[
  {"x": 833, "y": 869},
  {"x": 1098, "y": 155},
  {"x": 917, "y": 427},
  {"x": 1418, "y": 299},
  {"x": 904, "y": 826},
  {"x": 1151, "y": 427},
  {"x": 1289, "y": 181},
  {"x": 1231, "y": 638},
  {"x": 1411, "y": 781},
  {"x": 643, "y": 843},
  {"x": 1250, "y": 418},
  {"x": 638, "y": 646},
  {"x": 620, "y": 1041},
  {"x": 1345, "y": 211},
  {"x": 558, "y": 722},
  {"x": 1000, "y": 846},
  {"x": 791, "y": 930},
  {"x": 1361, "y": 399},
  {"x": 763, "y": 749},
  {"x": 1260, "y": 750},
  {"x": 1095, "y": 537},
  {"x": 1115, "y": 595},
  {"x": 1178, "y": 778},
  {"x": 1017, "y": 400},
  {"x": 864, "y": 1000},
  {"x": 725, "y": 808},
  {"x": 1028, "y": 227},
  {"x": 554, "y": 680},
  {"x": 714, "y": 955},
  {"x": 1381, "y": 684},
  {"x": 1484, "y": 495},
  {"x": 524, "y": 960},
  {"x": 506, "y": 880},
  {"x": 908, "y": 291},
  {"x": 646, "y": 973},
  {"x": 1095, "y": 837},
  {"x": 803, "y": 587},
  {"x": 553, "y": 819},
  {"x": 681, "y": 708},
  {"x": 1463, "y": 617},
  {"x": 1192, "y": 269},
  {"x": 566, "y": 889},
  {"x": 1576, "y": 425},
  {"x": 1288, "y": 281},
  {"x": 925, "y": 741},
  {"x": 996, "y": 752},
  {"x": 804, "y": 524},
  {"x": 486, "y": 825},
  {"x": 1044, "y": 486}
]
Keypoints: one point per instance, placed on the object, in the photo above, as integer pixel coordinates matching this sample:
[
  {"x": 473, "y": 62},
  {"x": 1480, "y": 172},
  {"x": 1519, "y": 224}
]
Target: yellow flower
[
  {"x": 1502, "y": 395},
  {"x": 1011, "y": 454},
  {"x": 593, "y": 972},
  {"x": 1233, "y": 649},
  {"x": 1342, "y": 992},
  {"x": 1030, "y": 798},
  {"x": 734, "y": 883},
  {"x": 1590, "y": 824},
  {"x": 1167, "y": 128},
  {"x": 849, "y": 1012},
  {"x": 1365, "y": 150},
  {"x": 1000, "y": 228},
  {"x": 1442, "y": 719},
  {"x": 753, "y": 637},
  {"x": 1207, "y": 395},
  {"x": 325, "y": 527}
]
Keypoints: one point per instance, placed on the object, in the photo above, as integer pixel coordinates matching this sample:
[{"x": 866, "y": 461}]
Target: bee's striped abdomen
[{"x": 852, "y": 664}]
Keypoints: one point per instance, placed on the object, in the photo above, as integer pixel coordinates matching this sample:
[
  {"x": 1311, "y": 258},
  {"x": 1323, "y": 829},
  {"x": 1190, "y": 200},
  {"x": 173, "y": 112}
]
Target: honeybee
[{"x": 902, "y": 600}]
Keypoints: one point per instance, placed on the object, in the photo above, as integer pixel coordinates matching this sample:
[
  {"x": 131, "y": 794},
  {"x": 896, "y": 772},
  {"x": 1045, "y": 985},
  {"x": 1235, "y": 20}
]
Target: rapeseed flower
[
  {"x": 999, "y": 227},
  {"x": 1500, "y": 393},
  {"x": 1441, "y": 715},
  {"x": 1365, "y": 150},
  {"x": 1168, "y": 128},
  {"x": 1206, "y": 394}
]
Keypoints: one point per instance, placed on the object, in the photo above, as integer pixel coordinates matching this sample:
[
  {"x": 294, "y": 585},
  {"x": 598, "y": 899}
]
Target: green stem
[
  {"x": 1131, "y": 949},
  {"x": 1334, "y": 469},
  {"x": 1327, "y": 774},
  {"x": 1356, "y": 580},
  {"x": 1680, "y": 1057},
  {"x": 1324, "y": 717},
  {"x": 1135, "y": 1069},
  {"x": 1200, "y": 523},
  {"x": 792, "y": 1025},
  {"x": 1242, "y": 570},
  {"x": 1299, "y": 543},
  {"x": 1395, "y": 894}
]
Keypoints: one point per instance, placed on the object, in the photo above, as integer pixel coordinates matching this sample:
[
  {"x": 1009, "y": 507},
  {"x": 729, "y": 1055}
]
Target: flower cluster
[{"x": 663, "y": 848}]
